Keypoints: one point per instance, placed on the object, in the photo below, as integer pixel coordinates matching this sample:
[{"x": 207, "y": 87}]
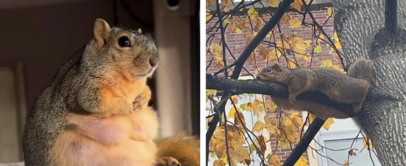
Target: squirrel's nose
[
  {"x": 153, "y": 61},
  {"x": 258, "y": 77}
]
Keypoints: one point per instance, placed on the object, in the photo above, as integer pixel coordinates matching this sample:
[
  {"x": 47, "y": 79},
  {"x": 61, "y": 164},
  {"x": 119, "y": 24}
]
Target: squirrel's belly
[
  {"x": 72, "y": 149},
  {"x": 93, "y": 141}
]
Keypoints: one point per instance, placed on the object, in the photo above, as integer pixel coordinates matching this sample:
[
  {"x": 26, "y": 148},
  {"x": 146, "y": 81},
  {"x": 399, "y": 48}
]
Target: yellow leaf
[
  {"x": 208, "y": 15},
  {"x": 283, "y": 143},
  {"x": 292, "y": 64},
  {"x": 258, "y": 126},
  {"x": 235, "y": 99},
  {"x": 301, "y": 162},
  {"x": 252, "y": 13},
  {"x": 256, "y": 72},
  {"x": 338, "y": 45},
  {"x": 285, "y": 18},
  {"x": 330, "y": 11},
  {"x": 369, "y": 142},
  {"x": 294, "y": 113},
  {"x": 328, "y": 123},
  {"x": 273, "y": 3},
  {"x": 326, "y": 63},
  {"x": 274, "y": 160},
  {"x": 271, "y": 107},
  {"x": 226, "y": 21},
  {"x": 231, "y": 114},
  {"x": 346, "y": 163},
  {"x": 231, "y": 27},
  {"x": 225, "y": 3},
  {"x": 308, "y": 43},
  {"x": 215, "y": 48},
  {"x": 297, "y": 4},
  {"x": 335, "y": 36},
  {"x": 295, "y": 23},
  {"x": 238, "y": 31},
  {"x": 317, "y": 49},
  {"x": 320, "y": 38},
  {"x": 219, "y": 163},
  {"x": 339, "y": 68}
]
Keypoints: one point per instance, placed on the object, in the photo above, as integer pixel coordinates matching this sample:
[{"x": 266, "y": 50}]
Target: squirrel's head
[
  {"x": 122, "y": 50},
  {"x": 271, "y": 73}
]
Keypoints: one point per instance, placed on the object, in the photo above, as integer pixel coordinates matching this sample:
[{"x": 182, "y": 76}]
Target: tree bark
[{"x": 360, "y": 28}]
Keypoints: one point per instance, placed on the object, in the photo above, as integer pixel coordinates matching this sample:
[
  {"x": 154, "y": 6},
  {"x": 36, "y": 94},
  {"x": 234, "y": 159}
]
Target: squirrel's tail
[
  {"x": 186, "y": 149},
  {"x": 362, "y": 68}
]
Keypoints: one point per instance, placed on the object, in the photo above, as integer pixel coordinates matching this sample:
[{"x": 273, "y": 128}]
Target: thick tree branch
[
  {"x": 304, "y": 142},
  {"x": 391, "y": 21},
  {"x": 270, "y": 88}
]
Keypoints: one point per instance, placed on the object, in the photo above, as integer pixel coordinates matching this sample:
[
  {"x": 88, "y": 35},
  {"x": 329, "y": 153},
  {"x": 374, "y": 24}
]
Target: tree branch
[
  {"x": 239, "y": 64},
  {"x": 391, "y": 21},
  {"x": 270, "y": 88},
  {"x": 304, "y": 142}
]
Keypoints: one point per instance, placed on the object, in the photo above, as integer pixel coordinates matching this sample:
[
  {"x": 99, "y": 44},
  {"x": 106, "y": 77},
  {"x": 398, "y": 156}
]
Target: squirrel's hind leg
[{"x": 168, "y": 161}]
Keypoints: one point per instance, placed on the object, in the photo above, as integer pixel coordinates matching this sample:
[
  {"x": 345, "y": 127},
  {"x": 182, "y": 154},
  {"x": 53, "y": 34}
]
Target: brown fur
[
  {"x": 95, "y": 111},
  {"x": 184, "y": 148},
  {"x": 336, "y": 85}
]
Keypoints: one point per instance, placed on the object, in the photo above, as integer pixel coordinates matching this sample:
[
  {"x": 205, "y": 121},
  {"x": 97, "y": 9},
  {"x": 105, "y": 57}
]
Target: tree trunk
[{"x": 360, "y": 28}]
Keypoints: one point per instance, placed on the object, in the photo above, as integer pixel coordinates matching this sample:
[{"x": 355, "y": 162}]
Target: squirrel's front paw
[
  {"x": 141, "y": 101},
  {"x": 168, "y": 161}
]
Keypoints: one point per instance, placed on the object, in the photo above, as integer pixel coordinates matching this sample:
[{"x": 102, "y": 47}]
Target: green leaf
[
  {"x": 318, "y": 49},
  {"x": 242, "y": 106},
  {"x": 268, "y": 157}
]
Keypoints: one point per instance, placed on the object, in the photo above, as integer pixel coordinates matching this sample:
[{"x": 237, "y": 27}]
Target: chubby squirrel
[
  {"x": 350, "y": 89},
  {"x": 96, "y": 111}
]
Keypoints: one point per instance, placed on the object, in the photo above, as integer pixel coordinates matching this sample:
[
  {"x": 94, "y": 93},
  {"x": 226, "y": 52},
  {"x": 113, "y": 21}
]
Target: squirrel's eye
[{"x": 124, "y": 42}]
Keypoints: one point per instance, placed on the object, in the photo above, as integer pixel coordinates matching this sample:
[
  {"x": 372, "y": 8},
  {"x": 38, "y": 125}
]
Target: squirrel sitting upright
[
  {"x": 350, "y": 89},
  {"x": 96, "y": 111}
]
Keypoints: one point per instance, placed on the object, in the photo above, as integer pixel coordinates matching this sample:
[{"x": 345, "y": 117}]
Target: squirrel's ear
[
  {"x": 101, "y": 32},
  {"x": 277, "y": 67},
  {"x": 139, "y": 30}
]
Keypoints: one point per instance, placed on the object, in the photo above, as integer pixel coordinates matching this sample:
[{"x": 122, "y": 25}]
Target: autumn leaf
[
  {"x": 259, "y": 23},
  {"x": 226, "y": 3},
  {"x": 258, "y": 126},
  {"x": 208, "y": 15},
  {"x": 211, "y": 92},
  {"x": 326, "y": 63},
  {"x": 297, "y": 4},
  {"x": 285, "y": 18},
  {"x": 239, "y": 120},
  {"x": 238, "y": 31},
  {"x": 301, "y": 162},
  {"x": 262, "y": 145},
  {"x": 369, "y": 144},
  {"x": 273, "y": 3},
  {"x": 252, "y": 13},
  {"x": 274, "y": 160},
  {"x": 283, "y": 143},
  {"x": 338, "y": 45},
  {"x": 330, "y": 11},
  {"x": 234, "y": 98},
  {"x": 231, "y": 114},
  {"x": 271, "y": 107},
  {"x": 219, "y": 163},
  {"x": 328, "y": 123},
  {"x": 231, "y": 27},
  {"x": 292, "y": 64},
  {"x": 317, "y": 49},
  {"x": 249, "y": 37},
  {"x": 346, "y": 163},
  {"x": 295, "y": 23}
]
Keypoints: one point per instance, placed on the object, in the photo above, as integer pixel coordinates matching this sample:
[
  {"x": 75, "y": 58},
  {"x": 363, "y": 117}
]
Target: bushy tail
[
  {"x": 186, "y": 149},
  {"x": 362, "y": 68}
]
